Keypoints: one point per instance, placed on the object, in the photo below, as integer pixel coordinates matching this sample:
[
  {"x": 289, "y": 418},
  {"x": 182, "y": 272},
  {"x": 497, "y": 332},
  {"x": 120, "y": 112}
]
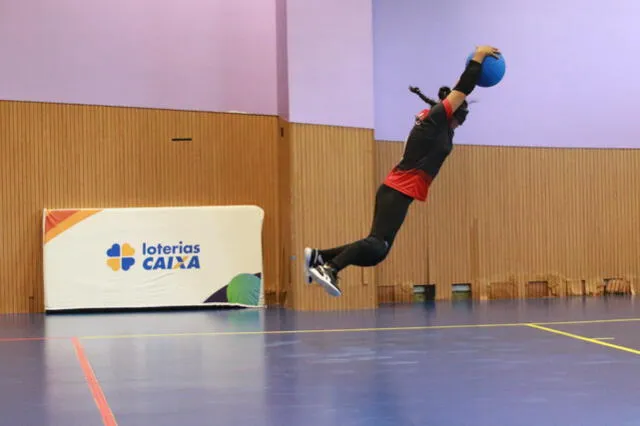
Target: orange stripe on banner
[
  {"x": 67, "y": 223},
  {"x": 98, "y": 396},
  {"x": 54, "y": 217}
]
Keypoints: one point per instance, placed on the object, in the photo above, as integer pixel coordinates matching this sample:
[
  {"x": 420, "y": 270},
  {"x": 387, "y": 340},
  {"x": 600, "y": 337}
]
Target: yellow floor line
[
  {"x": 354, "y": 330},
  {"x": 579, "y": 322},
  {"x": 585, "y": 339},
  {"x": 337, "y": 330}
]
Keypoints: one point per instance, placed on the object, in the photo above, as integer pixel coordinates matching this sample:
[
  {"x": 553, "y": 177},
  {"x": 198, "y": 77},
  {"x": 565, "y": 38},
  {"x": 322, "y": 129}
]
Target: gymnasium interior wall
[
  {"x": 71, "y": 156},
  {"x": 60, "y": 151},
  {"x": 178, "y": 54},
  {"x": 518, "y": 222},
  {"x": 539, "y": 197},
  {"x": 512, "y": 222},
  {"x": 78, "y": 156},
  {"x": 332, "y": 190},
  {"x": 554, "y": 93}
]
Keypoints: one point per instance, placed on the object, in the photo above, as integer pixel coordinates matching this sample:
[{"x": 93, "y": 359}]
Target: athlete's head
[{"x": 460, "y": 115}]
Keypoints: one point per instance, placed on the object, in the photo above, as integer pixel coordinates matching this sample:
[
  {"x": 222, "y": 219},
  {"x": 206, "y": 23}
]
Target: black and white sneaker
[
  {"x": 327, "y": 277},
  {"x": 312, "y": 259}
]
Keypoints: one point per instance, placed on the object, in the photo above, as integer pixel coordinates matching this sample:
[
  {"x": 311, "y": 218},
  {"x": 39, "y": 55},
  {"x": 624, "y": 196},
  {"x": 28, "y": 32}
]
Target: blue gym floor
[{"x": 503, "y": 363}]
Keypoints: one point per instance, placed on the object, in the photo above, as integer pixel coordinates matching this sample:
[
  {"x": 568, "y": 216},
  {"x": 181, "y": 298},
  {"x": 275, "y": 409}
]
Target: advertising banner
[{"x": 153, "y": 257}]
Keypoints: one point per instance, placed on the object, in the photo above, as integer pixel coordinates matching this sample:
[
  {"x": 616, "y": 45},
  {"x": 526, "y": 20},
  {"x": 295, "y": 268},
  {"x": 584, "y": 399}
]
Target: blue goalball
[{"x": 493, "y": 70}]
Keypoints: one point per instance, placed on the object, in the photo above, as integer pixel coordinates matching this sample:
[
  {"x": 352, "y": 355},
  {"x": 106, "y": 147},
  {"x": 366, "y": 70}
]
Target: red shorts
[{"x": 413, "y": 183}]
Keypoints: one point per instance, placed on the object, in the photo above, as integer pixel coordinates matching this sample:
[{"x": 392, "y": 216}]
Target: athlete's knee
[{"x": 377, "y": 249}]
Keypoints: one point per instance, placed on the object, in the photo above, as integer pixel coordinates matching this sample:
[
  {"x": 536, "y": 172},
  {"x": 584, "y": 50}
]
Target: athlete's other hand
[{"x": 484, "y": 51}]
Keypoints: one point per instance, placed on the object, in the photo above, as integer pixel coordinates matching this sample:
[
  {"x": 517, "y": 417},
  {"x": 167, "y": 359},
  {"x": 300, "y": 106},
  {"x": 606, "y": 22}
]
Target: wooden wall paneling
[
  {"x": 58, "y": 156},
  {"x": 20, "y": 177},
  {"x": 332, "y": 182},
  {"x": 494, "y": 214},
  {"x": 560, "y": 215},
  {"x": 284, "y": 294},
  {"x": 513, "y": 216},
  {"x": 611, "y": 206},
  {"x": 453, "y": 226}
]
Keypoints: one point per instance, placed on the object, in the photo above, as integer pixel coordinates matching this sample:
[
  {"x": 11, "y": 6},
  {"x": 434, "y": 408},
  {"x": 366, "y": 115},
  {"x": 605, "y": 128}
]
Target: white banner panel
[{"x": 153, "y": 257}]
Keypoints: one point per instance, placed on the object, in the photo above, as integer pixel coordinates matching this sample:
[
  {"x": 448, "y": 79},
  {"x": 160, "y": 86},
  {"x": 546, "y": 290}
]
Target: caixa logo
[
  {"x": 155, "y": 256},
  {"x": 121, "y": 257},
  {"x": 166, "y": 256}
]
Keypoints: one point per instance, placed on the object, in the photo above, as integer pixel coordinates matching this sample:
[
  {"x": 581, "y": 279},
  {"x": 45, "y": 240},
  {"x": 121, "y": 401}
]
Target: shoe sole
[
  {"x": 328, "y": 287},
  {"x": 307, "y": 265}
]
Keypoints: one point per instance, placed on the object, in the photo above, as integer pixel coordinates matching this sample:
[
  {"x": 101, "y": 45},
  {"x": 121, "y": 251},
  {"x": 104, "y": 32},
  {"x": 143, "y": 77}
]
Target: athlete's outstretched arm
[{"x": 469, "y": 77}]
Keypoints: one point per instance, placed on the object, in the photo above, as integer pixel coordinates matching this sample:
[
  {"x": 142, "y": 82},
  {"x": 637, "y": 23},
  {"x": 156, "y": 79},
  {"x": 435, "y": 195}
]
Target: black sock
[{"x": 328, "y": 254}]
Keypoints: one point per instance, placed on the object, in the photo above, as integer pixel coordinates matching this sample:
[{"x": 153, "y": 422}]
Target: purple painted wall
[
  {"x": 330, "y": 55},
  {"x": 570, "y": 82},
  {"x": 215, "y": 55}
]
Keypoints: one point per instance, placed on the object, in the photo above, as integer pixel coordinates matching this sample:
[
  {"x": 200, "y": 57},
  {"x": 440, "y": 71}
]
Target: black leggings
[{"x": 391, "y": 208}]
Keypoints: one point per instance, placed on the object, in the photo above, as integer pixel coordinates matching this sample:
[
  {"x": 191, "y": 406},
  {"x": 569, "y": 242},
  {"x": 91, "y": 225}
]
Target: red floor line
[
  {"x": 98, "y": 396},
  {"x": 30, "y": 339}
]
